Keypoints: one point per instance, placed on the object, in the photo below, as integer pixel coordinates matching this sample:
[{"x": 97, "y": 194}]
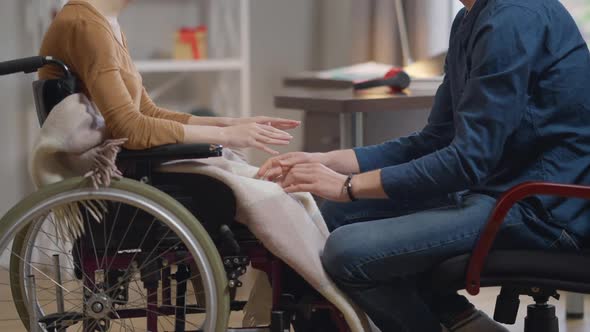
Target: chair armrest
[
  {"x": 504, "y": 204},
  {"x": 172, "y": 152}
]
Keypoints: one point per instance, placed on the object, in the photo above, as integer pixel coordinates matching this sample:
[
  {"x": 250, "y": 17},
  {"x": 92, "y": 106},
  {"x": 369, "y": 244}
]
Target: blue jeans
[{"x": 379, "y": 251}]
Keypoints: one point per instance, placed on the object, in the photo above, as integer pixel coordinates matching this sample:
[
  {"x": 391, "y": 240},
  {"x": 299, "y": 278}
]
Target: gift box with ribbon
[{"x": 191, "y": 43}]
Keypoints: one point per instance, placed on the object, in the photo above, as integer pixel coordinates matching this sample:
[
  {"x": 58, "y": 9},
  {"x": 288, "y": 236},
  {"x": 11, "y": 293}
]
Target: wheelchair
[
  {"x": 159, "y": 251},
  {"x": 167, "y": 257}
]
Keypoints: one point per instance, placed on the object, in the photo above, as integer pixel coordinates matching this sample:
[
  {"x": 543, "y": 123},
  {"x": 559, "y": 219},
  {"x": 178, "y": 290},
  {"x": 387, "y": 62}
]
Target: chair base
[{"x": 541, "y": 318}]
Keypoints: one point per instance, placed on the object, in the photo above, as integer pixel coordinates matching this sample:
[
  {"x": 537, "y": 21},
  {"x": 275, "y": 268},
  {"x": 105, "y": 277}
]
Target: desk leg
[
  {"x": 344, "y": 131},
  {"x": 351, "y": 130},
  {"x": 358, "y": 125}
]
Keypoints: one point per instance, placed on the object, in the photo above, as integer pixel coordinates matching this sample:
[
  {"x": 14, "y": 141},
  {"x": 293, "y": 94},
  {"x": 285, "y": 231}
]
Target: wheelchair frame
[{"x": 223, "y": 256}]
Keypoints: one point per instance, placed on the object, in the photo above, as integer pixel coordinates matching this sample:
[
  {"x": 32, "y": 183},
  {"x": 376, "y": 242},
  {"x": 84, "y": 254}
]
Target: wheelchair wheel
[{"x": 148, "y": 265}]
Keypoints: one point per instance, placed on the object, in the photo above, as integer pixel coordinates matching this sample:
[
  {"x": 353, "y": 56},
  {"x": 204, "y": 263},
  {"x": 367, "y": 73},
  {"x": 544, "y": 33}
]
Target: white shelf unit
[
  {"x": 222, "y": 15},
  {"x": 174, "y": 66},
  {"x": 222, "y": 18}
]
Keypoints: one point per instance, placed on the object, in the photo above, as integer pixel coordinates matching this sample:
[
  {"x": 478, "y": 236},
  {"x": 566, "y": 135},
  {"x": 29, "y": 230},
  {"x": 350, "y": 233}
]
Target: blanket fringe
[{"x": 69, "y": 220}]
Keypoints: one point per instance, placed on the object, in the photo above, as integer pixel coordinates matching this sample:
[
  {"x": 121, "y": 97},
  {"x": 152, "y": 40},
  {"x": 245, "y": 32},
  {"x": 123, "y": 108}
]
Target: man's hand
[
  {"x": 316, "y": 179},
  {"x": 278, "y": 123},
  {"x": 278, "y": 166}
]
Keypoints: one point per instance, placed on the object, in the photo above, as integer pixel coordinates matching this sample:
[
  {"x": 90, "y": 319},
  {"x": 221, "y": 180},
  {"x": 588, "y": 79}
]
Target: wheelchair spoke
[
  {"x": 113, "y": 271},
  {"x": 71, "y": 260},
  {"x": 169, "y": 320},
  {"x": 122, "y": 325},
  {"x": 70, "y": 270},
  {"x": 41, "y": 272},
  {"x": 153, "y": 272},
  {"x": 166, "y": 288},
  {"x": 124, "y": 236},
  {"x": 153, "y": 250},
  {"x": 52, "y": 249},
  {"x": 150, "y": 273},
  {"x": 142, "y": 241},
  {"x": 88, "y": 221},
  {"x": 163, "y": 254},
  {"x": 108, "y": 241},
  {"x": 51, "y": 265}
]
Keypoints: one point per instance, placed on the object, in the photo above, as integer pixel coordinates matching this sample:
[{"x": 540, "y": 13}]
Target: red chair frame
[{"x": 504, "y": 204}]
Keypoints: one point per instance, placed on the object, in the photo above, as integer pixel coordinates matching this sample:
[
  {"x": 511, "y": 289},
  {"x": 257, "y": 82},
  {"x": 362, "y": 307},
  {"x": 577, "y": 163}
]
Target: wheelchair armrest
[
  {"x": 172, "y": 152},
  {"x": 504, "y": 204}
]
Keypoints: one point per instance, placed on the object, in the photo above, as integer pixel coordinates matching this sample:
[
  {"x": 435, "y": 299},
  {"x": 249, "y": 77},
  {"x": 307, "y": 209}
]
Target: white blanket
[{"x": 72, "y": 143}]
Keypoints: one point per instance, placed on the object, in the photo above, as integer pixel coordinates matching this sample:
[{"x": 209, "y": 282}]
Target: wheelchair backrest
[{"x": 47, "y": 93}]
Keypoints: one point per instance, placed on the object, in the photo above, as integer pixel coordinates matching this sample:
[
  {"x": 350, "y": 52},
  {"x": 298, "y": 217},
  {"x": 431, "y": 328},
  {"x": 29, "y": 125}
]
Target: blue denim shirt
[{"x": 514, "y": 106}]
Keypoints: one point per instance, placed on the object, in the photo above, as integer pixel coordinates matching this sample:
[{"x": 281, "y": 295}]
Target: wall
[
  {"x": 282, "y": 40},
  {"x": 18, "y": 125},
  {"x": 17, "y": 117},
  {"x": 343, "y": 27},
  {"x": 282, "y": 44}
]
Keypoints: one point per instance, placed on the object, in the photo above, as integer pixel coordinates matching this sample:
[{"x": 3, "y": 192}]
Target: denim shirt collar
[{"x": 471, "y": 16}]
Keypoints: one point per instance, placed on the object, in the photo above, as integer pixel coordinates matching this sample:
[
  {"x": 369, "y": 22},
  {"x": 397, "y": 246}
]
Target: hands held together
[
  {"x": 322, "y": 174},
  {"x": 305, "y": 172},
  {"x": 296, "y": 171}
]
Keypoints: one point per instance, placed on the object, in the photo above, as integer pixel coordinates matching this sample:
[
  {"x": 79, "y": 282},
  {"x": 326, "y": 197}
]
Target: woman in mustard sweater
[{"x": 87, "y": 37}]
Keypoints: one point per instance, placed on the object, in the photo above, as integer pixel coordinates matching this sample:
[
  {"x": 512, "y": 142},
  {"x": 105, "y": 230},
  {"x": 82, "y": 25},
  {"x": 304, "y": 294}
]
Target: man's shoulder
[
  {"x": 540, "y": 8},
  {"x": 515, "y": 15}
]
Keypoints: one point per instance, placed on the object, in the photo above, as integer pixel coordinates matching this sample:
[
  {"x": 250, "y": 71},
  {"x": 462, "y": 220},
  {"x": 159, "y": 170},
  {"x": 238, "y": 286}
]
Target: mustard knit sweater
[{"x": 82, "y": 37}]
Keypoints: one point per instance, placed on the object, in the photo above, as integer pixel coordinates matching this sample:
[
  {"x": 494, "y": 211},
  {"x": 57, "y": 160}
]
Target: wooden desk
[{"x": 351, "y": 106}]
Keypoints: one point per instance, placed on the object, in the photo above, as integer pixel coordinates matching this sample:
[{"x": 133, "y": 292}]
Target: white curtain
[
  {"x": 580, "y": 10},
  {"x": 376, "y": 34}
]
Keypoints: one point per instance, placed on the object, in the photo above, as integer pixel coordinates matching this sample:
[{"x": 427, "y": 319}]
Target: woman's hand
[
  {"x": 279, "y": 123},
  {"x": 316, "y": 179},
  {"x": 254, "y": 135},
  {"x": 280, "y": 165}
]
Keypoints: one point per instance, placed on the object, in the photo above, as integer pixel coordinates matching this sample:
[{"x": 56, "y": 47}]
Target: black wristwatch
[{"x": 348, "y": 188}]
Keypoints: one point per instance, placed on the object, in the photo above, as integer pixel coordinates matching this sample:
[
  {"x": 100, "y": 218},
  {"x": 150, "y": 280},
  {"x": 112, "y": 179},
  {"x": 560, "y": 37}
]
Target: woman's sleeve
[
  {"x": 92, "y": 53},
  {"x": 149, "y": 108}
]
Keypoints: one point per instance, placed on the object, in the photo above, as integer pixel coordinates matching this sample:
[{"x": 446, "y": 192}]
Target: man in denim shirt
[{"x": 514, "y": 107}]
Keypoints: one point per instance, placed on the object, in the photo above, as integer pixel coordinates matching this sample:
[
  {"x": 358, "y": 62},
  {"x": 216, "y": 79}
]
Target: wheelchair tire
[{"x": 17, "y": 223}]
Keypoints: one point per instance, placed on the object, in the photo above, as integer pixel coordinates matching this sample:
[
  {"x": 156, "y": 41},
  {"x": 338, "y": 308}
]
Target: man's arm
[
  {"x": 490, "y": 110},
  {"x": 437, "y": 134}
]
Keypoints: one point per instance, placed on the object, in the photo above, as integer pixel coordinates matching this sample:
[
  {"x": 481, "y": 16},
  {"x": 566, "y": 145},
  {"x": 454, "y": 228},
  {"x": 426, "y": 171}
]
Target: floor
[{"x": 485, "y": 301}]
